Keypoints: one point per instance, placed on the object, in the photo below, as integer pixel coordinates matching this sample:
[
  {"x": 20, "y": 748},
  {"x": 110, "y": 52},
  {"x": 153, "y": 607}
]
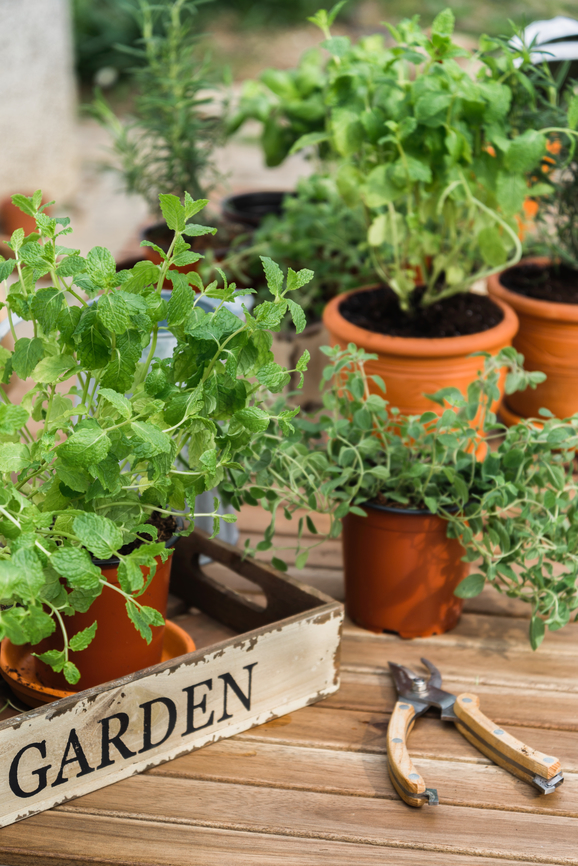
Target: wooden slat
[
  {"x": 508, "y": 704},
  {"x": 61, "y": 839},
  {"x": 459, "y": 783},
  {"x": 324, "y": 727},
  {"x": 458, "y": 830}
]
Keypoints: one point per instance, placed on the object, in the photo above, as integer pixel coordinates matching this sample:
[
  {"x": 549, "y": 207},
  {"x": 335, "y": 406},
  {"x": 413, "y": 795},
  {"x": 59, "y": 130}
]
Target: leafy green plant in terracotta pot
[
  {"x": 543, "y": 288},
  {"x": 420, "y": 136},
  {"x": 177, "y": 120},
  {"x": 415, "y": 504},
  {"x": 91, "y": 459}
]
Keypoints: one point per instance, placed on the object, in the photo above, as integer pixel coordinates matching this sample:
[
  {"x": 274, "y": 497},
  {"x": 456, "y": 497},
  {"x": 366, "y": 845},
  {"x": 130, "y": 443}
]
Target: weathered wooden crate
[{"x": 286, "y": 657}]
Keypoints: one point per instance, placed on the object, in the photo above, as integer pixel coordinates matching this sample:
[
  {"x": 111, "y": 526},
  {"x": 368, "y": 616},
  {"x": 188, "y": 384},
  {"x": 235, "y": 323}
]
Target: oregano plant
[
  {"x": 508, "y": 494},
  {"x": 108, "y": 433}
]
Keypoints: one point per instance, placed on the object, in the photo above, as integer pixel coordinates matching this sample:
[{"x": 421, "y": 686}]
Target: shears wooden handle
[{"x": 542, "y": 771}]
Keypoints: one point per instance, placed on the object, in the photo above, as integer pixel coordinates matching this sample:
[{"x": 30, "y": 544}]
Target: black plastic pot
[{"x": 250, "y": 208}]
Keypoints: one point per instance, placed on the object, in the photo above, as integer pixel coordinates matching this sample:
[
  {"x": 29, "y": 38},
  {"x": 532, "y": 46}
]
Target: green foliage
[
  {"x": 169, "y": 143},
  {"x": 430, "y": 150},
  {"x": 316, "y": 227},
  {"x": 508, "y": 494},
  {"x": 111, "y": 428}
]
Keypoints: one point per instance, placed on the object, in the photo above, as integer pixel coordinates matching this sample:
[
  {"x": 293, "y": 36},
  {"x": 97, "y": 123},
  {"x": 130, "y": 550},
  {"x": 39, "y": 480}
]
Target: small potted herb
[
  {"x": 91, "y": 459},
  {"x": 177, "y": 122},
  {"x": 543, "y": 288},
  {"x": 421, "y": 136},
  {"x": 417, "y": 506}
]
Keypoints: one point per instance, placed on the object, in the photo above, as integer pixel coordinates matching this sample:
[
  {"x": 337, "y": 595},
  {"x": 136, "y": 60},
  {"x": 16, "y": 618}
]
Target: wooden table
[{"x": 313, "y": 787}]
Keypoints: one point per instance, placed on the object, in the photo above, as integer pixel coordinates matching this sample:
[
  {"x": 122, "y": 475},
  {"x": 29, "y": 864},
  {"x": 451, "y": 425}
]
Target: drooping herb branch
[{"x": 509, "y": 494}]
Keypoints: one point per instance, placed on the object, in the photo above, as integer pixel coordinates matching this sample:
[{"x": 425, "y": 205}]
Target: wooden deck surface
[{"x": 313, "y": 787}]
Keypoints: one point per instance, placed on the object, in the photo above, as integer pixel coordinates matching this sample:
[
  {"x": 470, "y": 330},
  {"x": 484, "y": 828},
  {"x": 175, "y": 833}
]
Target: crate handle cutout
[{"x": 190, "y": 582}]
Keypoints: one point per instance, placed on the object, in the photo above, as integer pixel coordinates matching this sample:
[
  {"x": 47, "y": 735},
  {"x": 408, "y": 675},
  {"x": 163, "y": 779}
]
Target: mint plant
[
  {"x": 514, "y": 510},
  {"x": 422, "y": 136},
  {"x": 111, "y": 420}
]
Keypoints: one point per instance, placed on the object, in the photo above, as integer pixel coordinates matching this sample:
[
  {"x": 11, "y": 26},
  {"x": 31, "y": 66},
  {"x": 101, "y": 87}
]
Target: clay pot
[
  {"x": 401, "y": 571},
  {"x": 251, "y": 208},
  {"x": 413, "y": 366},
  {"x": 548, "y": 340},
  {"x": 117, "y": 648},
  {"x": 12, "y": 218}
]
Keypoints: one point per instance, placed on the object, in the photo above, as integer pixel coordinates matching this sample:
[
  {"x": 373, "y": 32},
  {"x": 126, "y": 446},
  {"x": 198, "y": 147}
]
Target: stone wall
[{"x": 38, "y": 139}]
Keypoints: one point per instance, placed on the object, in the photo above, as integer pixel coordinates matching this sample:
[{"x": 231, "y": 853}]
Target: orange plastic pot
[
  {"x": 548, "y": 340},
  {"x": 413, "y": 366},
  {"x": 117, "y": 648},
  {"x": 401, "y": 571}
]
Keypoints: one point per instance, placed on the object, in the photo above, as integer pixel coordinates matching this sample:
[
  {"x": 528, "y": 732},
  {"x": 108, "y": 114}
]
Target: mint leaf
[
  {"x": 101, "y": 267},
  {"x": 46, "y": 306},
  {"x": 50, "y": 369},
  {"x": 13, "y": 457},
  {"x": 173, "y": 212},
  {"x": 27, "y": 353},
  {"x": 297, "y": 315},
  {"x": 12, "y": 418},
  {"x": 150, "y": 440},
  {"x": 299, "y": 279},
  {"x": 254, "y": 419},
  {"x": 273, "y": 377},
  {"x": 273, "y": 274},
  {"x": 54, "y": 658},
  {"x": 83, "y": 638},
  {"x": 77, "y": 567},
  {"x": 112, "y": 311},
  {"x": 85, "y": 446},
  {"x": 71, "y": 673},
  {"x": 120, "y": 403},
  {"x": 98, "y": 534}
]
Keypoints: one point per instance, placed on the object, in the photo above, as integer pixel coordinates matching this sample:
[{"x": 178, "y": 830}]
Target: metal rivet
[
  {"x": 498, "y": 731},
  {"x": 404, "y": 706},
  {"x": 397, "y": 740},
  {"x": 466, "y": 700},
  {"x": 413, "y": 776},
  {"x": 548, "y": 760}
]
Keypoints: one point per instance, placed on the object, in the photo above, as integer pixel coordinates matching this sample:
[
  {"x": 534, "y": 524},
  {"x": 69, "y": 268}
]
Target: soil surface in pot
[
  {"x": 378, "y": 310},
  {"x": 166, "y": 525},
  {"x": 555, "y": 283}
]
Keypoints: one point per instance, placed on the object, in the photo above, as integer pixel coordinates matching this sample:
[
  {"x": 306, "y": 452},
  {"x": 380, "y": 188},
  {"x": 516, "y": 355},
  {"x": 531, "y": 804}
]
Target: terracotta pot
[
  {"x": 413, "y": 366},
  {"x": 12, "y": 218},
  {"x": 548, "y": 340},
  {"x": 117, "y": 648},
  {"x": 401, "y": 571}
]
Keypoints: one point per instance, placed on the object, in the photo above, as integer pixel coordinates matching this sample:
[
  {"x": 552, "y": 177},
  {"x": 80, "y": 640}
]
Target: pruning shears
[{"x": 417, "y": 694}]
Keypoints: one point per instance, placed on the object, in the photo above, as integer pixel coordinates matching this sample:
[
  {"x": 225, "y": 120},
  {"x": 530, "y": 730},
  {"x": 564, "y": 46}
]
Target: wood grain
[
  {"x": 404, "y": 776},
  {"x": 373, "y": 821},
  {"x": 64, "y": 839}
]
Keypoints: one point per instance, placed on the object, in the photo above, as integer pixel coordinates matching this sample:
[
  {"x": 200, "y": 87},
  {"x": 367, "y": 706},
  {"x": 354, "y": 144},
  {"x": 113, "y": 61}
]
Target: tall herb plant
[
  {"x": 93, "y": 448},
  {"x": 169, "y": 143}
]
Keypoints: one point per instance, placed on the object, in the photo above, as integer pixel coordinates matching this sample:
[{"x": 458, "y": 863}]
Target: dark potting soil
[
  {"x": 556, "y": 283},
  {"x": 378, "y": 310},
  {"x": 166, "y": 525}
]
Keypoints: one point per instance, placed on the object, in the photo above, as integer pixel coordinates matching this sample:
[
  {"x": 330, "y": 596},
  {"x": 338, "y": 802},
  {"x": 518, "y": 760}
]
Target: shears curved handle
[{"x": 542, "y": 771}]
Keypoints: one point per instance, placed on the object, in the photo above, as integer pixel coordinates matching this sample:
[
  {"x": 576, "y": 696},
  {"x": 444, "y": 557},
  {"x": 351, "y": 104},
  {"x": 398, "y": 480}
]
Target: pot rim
[
  {"x": 392, "y": 509},
  {"x": 421, "y": 347},
  {"x": 536, "y": 307}
]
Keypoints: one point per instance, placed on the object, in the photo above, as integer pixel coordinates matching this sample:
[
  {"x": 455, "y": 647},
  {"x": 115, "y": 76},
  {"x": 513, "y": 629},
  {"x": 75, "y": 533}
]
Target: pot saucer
[
  {"x": 510, "y": 418},
  {"x": 18, "y": 669}
]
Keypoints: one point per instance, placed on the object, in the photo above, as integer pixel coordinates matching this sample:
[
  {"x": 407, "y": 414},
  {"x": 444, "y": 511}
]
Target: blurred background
[{"x": 55, "y": 52}]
